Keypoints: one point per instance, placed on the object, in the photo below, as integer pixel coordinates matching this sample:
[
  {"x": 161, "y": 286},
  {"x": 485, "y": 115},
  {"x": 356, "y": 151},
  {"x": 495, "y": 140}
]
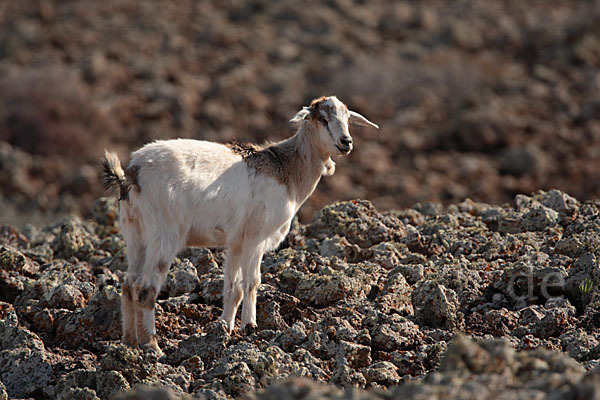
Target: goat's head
[{"x": 332, "y": 117}]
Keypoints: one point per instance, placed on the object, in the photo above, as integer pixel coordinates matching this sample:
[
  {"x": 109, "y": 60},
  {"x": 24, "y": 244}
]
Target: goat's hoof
[
  {"x": 156, "y": 352},
  {"x": 229, "y": 326},
  {"x": 130, "y": 341},
  {"x": 152, "y": 346},
  {"x": 249, "y": 329}
]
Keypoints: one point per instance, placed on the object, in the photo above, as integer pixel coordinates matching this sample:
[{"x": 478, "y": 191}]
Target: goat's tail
[{"x": 113, "y": 175}]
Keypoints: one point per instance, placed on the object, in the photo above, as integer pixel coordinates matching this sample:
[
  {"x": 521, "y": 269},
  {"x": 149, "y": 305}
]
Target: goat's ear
[
  {"x": 301, "y": 115},
  {"x": 357, "y": 119}
]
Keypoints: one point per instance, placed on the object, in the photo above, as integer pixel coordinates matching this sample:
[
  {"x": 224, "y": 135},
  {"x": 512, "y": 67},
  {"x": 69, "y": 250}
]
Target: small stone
[
  {"x": 110, "y": 383},
  {"x": 182, "y": 278},
  {"x": 436, "y": 306},
  {"x": 540, "y": 218},
  {"x": 73, "y": 240},
  {"x": 396, "y": 295},
  {"x": 293, "y": 336},
  {"x": 209, "y": 346},
  {"x": 383, "y": 372}
]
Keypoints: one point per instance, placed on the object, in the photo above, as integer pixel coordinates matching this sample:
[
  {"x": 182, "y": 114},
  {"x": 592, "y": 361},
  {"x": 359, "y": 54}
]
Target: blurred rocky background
[{"x": 475, "y": 99}]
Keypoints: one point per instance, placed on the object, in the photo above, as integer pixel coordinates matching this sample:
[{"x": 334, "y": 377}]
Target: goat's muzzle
[{"x": 345, "y": 145}]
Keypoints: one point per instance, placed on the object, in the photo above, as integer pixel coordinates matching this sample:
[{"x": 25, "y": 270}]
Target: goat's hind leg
[
  {"x": 146, "y": 291},
  {"x": 128, "y": 311},
  {"x": 159, "y": 255},
  {"x": 145, "y": 298},
  {"x": 135, "y": 261}
]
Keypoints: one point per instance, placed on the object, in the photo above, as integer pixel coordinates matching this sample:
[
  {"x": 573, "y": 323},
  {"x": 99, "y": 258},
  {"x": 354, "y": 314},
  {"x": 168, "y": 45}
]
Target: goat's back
[
  {"x": 204, "y": 187},
  {"x": 184, "y": 159}
]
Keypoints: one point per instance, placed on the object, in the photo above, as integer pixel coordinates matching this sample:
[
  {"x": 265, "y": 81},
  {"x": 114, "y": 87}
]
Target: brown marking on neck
[
  {"x": 244, "y": 149},
  {"x": 268, "y": 160},
  {"x": 289, "y": 162}
]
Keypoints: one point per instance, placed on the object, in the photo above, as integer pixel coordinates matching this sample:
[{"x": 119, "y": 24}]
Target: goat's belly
[{"x": 215, "y": 238}]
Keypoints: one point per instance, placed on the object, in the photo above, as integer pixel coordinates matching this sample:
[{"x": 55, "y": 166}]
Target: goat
[{"x": 185, "y": 192}]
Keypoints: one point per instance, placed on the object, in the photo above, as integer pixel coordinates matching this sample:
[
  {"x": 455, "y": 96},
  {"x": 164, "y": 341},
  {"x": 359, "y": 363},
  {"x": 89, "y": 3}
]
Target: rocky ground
[
  {"x": 465, "y": 301},
  {"x": 475, "y": 98}
]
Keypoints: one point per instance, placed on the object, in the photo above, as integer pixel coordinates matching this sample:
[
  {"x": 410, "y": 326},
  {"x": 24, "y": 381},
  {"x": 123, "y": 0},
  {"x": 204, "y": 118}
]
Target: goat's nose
[{"x": 346, "y": 141}]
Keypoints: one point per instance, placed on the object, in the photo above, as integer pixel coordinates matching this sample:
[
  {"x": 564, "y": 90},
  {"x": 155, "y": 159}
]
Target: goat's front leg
[
  {"x": 251, "y": 280},
  {"x": 232, "y": 286}
]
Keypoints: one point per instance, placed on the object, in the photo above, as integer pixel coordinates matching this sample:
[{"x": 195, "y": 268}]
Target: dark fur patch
[
  {"x": 132, "y": 174},
  {"x": 273, "y": 156},
  {"x": 131, "y": 179},
  {"x": 268, "y": 160},
  {"x": 244, "y": 149},
  {"x": 110, "y": 179},
  {"x": 127, "y": 292},
  {"x": 146, "y": 297},
  {"x": 162, "y": 267},
  {"x": 113, "y": 176}
]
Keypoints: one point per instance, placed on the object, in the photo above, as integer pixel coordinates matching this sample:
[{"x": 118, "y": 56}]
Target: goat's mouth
[{"x": 344, "y": 150}]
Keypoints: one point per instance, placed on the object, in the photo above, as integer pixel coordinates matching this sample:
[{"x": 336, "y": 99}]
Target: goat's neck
[{"x": 306, "y": 162}]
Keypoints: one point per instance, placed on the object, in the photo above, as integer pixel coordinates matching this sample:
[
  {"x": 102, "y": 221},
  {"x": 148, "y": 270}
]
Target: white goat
[{"x": 184, "y": 192}]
